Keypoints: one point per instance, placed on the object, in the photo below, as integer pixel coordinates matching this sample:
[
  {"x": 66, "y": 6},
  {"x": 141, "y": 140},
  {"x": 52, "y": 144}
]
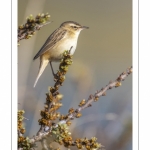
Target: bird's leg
[
  {"x": 55, "y": 76},
  {"x": 70, "y": 49}
]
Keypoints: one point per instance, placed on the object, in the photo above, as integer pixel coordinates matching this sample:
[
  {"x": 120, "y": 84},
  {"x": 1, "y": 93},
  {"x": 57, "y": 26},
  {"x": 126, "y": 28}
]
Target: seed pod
[
  {"x": 78, "y": 115},
  {"x": 118, "y": 84},
  {"x": 59, "y": 96},
  {"x": 104, "y": 94}
]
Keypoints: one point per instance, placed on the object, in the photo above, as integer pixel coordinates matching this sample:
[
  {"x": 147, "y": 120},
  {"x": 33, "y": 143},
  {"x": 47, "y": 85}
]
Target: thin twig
[
  {"x": 100, "y": 93},
  {"x": 28, "y": 29}
]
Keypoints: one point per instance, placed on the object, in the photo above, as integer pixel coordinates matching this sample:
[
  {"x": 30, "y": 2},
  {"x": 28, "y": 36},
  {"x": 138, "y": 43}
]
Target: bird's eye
[{"x": 75, "y": 27}]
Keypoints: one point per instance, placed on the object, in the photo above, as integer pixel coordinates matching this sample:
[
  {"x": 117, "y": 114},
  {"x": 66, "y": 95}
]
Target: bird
[{"x": 63, "y": 38}]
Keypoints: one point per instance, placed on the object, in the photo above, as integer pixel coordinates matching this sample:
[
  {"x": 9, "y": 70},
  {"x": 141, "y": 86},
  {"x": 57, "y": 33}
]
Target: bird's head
[{"x": 73, "y": 26}]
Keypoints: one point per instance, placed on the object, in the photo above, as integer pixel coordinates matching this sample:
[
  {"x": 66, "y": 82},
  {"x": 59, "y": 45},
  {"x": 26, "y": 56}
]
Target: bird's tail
[{"x": 43, "y": 65}]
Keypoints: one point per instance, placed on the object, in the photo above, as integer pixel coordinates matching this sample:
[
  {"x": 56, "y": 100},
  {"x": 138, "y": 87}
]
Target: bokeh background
[{"x": 103, "y": 52}]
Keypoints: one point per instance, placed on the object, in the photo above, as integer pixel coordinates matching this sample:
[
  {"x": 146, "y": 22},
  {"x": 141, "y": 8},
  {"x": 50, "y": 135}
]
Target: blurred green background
[{"x": 103, "y": 52}]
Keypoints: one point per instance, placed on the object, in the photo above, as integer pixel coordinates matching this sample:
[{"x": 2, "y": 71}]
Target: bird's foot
[{"x": 55, "y": 76}]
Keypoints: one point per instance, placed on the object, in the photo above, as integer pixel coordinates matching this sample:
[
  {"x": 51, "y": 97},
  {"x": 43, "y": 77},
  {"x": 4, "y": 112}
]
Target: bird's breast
[
  {"x": 56, "y": 53},
  {"x": 67, "y": 44}
]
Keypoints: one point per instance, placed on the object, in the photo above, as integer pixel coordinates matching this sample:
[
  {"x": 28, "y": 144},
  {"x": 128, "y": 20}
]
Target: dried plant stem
[
  {"x": 22, "y": 34},
  {"x": 87, "y": 103},
  {"x": 100, "y": 93},
  {"x": 54, "y": 96},
  {"x": 32, "y": 25}
]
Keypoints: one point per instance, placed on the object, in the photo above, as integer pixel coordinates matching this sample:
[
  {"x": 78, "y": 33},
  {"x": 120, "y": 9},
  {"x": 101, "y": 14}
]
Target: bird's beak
[{"x": 84, "y": 27}]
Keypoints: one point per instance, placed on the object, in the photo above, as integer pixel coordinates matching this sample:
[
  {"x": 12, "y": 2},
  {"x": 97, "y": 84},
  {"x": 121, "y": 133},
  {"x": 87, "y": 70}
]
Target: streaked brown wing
[{"x": 56, "y": 36}]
